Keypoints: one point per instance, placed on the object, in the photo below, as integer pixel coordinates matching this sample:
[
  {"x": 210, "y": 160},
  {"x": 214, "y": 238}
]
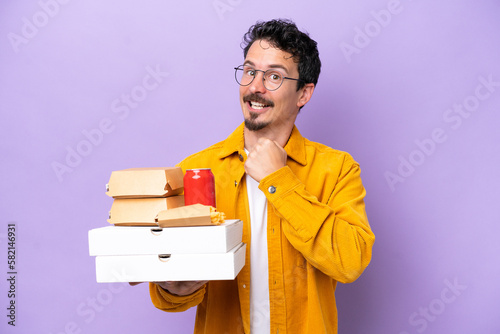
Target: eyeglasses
[{"x": 272, "y": 79}]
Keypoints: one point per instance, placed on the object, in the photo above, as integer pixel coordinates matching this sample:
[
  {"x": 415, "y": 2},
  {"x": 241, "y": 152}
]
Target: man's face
[{"x": 270, "y": 109}]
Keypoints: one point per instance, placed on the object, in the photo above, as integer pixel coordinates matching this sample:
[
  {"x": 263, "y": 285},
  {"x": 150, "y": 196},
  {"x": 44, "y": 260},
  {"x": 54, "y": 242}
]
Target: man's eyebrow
[
  {"x": 248, "y": 62},
  {"x": 279, "y": 66}
]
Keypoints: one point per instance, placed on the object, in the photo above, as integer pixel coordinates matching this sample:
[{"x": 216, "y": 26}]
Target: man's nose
[{"x": 257, "y": 85}]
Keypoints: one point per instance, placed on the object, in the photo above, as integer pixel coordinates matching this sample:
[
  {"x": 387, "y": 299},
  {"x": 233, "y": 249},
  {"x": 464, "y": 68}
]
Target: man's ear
[{"x": 305, "y": 95}]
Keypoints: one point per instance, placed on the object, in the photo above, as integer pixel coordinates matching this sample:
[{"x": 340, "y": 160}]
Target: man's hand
[
  {"x": 181, "y": 288},
  {"x": 134, "y": 283},
  {"x": 266, "y": 157}
]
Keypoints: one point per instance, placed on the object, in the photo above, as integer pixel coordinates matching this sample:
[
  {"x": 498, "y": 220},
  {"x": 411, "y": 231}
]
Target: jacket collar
[{"x": 295, "y": 147}]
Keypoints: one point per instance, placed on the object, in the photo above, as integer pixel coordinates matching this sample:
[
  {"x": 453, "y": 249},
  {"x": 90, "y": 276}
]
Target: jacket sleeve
[
  {"x": 335, "y": 236},
  {"x": 168, "y": 302}
]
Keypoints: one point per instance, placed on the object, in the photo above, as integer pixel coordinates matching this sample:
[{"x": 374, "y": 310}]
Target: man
[{"x": 301, "y": 203}]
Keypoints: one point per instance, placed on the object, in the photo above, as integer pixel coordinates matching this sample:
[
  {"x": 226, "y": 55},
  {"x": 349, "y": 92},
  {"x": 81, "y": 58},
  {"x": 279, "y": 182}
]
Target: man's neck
[{"x": 280, "y": 136}]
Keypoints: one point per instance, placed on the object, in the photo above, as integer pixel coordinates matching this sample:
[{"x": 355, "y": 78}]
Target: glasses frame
[{"x": 240, "y": 68}]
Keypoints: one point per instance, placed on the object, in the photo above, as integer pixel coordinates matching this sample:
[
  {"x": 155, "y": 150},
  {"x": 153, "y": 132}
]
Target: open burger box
[{"x": 149, "y": 254}]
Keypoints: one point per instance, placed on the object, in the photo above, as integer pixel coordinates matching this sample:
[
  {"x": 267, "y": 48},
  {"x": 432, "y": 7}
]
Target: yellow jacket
[{"x": 317, "y": 231}]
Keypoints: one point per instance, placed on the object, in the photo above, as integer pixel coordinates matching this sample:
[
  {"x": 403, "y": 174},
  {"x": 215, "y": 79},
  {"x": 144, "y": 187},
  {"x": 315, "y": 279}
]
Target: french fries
[{"x": 217, "y": 218}]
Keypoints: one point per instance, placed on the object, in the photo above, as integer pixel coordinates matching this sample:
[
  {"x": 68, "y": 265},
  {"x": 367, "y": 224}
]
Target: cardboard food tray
[
  {"x": 138, "y": 240},
  {"x": 189, "y": 215},
  {"x": 141, "y": 211},
  {"x": 170, "y": 267},
  {"x": 145, "y": 182}
]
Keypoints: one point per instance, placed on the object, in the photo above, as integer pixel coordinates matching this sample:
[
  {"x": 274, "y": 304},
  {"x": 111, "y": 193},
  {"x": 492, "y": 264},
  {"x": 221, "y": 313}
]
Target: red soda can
[{"x": 199, "y": 187}]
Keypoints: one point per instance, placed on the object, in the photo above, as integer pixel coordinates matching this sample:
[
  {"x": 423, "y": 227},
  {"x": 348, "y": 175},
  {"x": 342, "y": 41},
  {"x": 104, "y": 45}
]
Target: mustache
[{"x": 257, "y": 98}]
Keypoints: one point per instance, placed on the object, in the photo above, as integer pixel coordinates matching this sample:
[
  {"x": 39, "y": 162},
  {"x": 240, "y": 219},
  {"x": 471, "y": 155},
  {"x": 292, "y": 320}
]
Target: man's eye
[
  {"x": 248, "y": 71},
  {"x": 274, "y": 77}
]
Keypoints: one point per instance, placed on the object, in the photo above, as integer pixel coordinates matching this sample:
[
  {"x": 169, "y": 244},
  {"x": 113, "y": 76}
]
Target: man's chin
[{"x": 253, "y": 125}]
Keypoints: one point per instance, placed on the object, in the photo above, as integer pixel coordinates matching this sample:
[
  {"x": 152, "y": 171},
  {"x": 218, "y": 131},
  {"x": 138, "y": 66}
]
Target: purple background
[{"x": 66, "y": 66}]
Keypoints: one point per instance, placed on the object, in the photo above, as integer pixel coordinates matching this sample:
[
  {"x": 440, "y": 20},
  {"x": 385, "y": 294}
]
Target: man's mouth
[{"x": 257, "y": 103}]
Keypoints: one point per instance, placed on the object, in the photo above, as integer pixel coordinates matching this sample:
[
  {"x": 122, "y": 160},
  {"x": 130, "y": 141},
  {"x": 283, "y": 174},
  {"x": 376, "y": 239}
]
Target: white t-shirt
[{"x": 259, "y": 273}]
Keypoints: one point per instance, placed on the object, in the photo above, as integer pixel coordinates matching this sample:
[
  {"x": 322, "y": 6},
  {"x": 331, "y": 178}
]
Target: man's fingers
[
  {"x": 266, "y": 157},
  {"x": 134, "y": 283},
  {"x": 181, "y": 288}
]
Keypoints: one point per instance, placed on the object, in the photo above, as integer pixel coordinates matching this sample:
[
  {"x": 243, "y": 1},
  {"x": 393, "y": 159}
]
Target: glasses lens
[
  {"x": 244, "y": 75},
  {"x": 273, "y": 80}
]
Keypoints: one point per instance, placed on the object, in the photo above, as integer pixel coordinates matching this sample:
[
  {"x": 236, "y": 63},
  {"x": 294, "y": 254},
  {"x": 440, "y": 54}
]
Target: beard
[{"x": 252, "y": 124}]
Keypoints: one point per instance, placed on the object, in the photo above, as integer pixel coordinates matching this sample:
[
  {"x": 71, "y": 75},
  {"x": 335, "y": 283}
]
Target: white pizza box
[
  {"x": 170, "y": 267},
  {"x": 144, "y": 240}
]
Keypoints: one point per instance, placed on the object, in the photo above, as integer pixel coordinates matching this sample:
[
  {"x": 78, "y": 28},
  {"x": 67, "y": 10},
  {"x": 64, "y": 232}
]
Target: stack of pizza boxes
[{"x": 154, "y": 237}]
